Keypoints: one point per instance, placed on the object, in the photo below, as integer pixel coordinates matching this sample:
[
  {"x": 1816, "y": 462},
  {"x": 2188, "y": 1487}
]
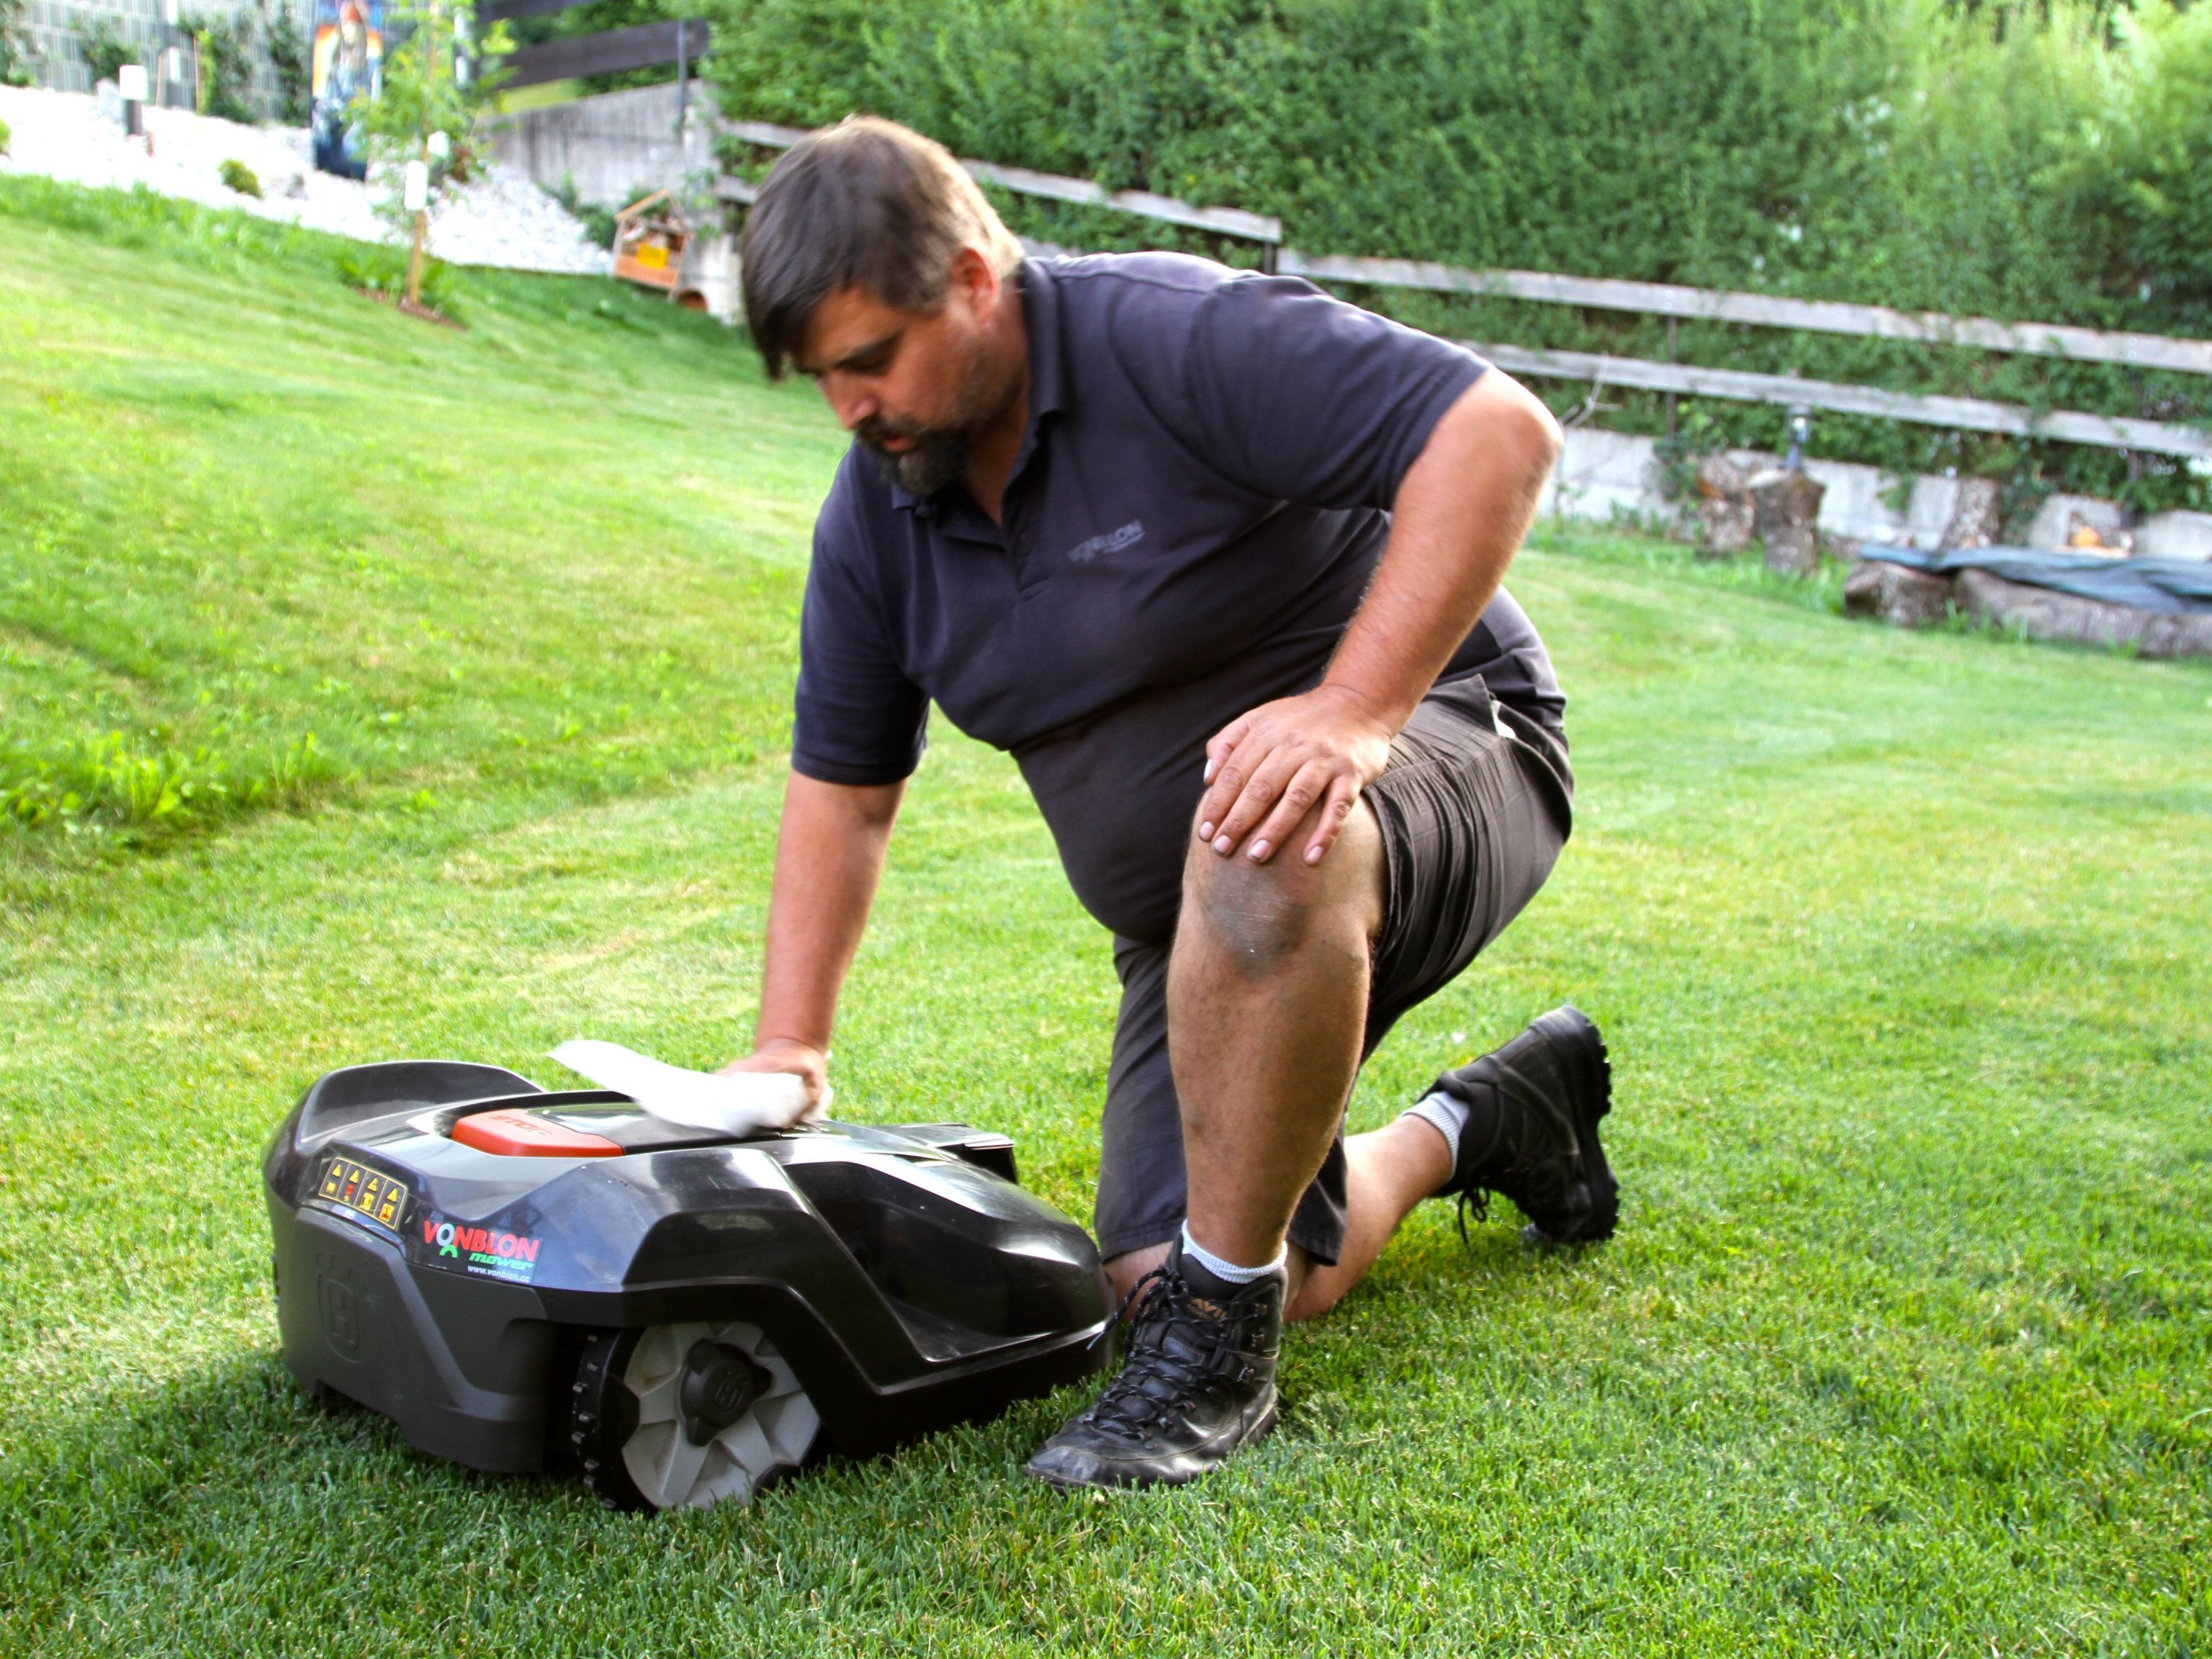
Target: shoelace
[
  {"x": 1124, "y": 1404},
  {"x": 1477, "y": 1200}
]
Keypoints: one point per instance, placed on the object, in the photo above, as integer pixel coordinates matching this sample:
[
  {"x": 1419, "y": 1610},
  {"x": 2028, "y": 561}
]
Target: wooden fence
[
  {"x": 2151, "y": 351},
  {"x": 679, "y": 40}
]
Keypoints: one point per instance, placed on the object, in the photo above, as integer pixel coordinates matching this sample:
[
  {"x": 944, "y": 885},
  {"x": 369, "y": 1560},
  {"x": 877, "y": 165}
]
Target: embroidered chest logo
[{"x": 1112, "y": 542}]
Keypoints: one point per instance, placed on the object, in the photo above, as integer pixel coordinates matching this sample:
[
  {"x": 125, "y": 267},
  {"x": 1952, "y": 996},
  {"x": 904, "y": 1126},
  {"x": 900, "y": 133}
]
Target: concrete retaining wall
[
  {"x": 1608, "y": 477},
  {"x": 613, "y": 145}
]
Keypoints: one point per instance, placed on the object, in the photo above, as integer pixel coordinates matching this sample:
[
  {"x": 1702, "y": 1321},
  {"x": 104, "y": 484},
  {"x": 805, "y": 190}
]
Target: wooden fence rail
[
  {"x": 1960, "y": 414},
  {"x": 1765, "y": 311},
  {"x": 672, "y": 40}
]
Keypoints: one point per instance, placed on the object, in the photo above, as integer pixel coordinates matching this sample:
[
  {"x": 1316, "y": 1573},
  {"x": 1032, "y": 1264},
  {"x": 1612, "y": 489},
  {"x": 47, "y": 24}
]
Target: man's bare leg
[
  {"x": 1267, "y": 1005},
  {"x": 1388, "y": 1171}
]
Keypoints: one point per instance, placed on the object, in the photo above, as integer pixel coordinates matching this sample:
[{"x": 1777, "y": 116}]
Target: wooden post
[
  {"x": 682, "y": 82},
  {"x": 430, "y": 54},
  {"x": 421, "y": 235}
]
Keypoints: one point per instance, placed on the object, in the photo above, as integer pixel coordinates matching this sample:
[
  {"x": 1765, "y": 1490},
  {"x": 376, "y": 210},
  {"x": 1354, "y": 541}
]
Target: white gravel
[{"x": 501, "y": 218}]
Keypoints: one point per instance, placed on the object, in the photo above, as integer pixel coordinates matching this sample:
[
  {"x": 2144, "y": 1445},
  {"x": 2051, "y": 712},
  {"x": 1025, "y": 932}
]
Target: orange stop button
[{"x": 515, "y": 1133}]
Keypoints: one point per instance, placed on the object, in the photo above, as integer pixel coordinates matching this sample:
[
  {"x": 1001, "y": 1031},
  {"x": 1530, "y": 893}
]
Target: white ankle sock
[
  {"x": 1228, "y": 1271},
  {"x": 1445, "y": 1115}
]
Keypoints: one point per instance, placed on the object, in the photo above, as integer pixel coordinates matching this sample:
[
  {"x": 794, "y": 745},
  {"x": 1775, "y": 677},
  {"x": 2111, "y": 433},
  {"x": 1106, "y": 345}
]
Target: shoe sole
[{"x": 1580, "y": 1047}]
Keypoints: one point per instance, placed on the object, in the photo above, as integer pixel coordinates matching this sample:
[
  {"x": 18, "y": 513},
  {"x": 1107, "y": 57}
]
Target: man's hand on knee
[{"x": 1268, "y": 769}]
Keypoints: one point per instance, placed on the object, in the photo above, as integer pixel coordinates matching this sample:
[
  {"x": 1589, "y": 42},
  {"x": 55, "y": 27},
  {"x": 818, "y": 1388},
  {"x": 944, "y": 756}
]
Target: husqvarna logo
[{"x": 334, "y": 1306}]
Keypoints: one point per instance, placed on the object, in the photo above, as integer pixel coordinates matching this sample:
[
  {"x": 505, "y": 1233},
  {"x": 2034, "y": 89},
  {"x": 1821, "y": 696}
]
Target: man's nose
[{"x": 851, "y": 404}]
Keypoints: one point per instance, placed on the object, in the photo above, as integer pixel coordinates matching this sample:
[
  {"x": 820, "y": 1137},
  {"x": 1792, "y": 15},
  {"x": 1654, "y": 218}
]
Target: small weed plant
[
  {"x": 148, "y": 790},
  {"x": 241, "y": 178}
]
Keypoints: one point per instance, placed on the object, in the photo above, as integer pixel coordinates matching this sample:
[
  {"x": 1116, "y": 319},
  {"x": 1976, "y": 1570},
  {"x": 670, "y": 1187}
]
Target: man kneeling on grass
[{"x": 1216, "y": 557}]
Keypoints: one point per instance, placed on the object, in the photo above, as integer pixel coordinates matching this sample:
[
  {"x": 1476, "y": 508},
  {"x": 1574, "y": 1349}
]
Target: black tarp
[{"x": 2169, "y": 585}]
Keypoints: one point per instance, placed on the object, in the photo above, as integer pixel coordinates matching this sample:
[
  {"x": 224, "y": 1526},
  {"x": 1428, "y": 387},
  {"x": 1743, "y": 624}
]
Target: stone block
[
  {"x": 2175, "y": 536},
  {"x": 1892, "y": 593},
  {"x": 2060, "y": 521}
]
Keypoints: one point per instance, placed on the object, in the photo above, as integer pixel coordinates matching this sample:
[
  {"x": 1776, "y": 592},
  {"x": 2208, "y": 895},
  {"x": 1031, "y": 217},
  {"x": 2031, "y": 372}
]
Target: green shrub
[
  {"x": 377, "y": 269},
  {"x": 287, "y": 46},
  {"x": 2041, "y": 162},
  {"x": 237, "y": 176},
  {"x": 2160, "y": 173},
  {"x": 6, "y": 137},
  {"x": 105, "y": 48},
  {"x": 14, "y": 45},
  {"x": 598, "y": 222},
  {"x": 225, "y": 45}
]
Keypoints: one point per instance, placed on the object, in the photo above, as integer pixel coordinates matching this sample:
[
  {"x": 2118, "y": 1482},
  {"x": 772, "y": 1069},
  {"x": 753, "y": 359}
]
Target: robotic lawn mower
[{"x": 524, "y": 1281}]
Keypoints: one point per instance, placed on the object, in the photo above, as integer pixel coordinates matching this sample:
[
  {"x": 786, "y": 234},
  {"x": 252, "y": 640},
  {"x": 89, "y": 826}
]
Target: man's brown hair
[{"x": 866, "y": 203}]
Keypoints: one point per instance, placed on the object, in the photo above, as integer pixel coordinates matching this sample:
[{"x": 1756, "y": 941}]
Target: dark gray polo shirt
[{"x": 1197, "y": 504}]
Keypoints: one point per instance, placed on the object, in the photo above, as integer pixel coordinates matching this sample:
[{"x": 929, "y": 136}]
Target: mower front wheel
[{"x": 687, "y": 1415}]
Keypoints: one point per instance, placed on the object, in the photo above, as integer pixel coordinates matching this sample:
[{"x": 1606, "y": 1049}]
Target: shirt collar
[{"x": 1040, "y": 298}]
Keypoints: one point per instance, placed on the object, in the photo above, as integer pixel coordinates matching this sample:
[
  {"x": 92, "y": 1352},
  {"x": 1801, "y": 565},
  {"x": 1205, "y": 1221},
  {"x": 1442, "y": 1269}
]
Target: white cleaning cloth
[{"x": 745, "y": 1103}]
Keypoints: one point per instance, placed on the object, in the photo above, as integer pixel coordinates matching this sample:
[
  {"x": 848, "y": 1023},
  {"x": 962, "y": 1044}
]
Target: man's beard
[{"x": 939, "y": 454}]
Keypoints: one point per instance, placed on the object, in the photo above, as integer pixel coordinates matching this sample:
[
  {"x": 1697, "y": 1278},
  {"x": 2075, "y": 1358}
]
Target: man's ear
[{"x": 976, "y": 280}]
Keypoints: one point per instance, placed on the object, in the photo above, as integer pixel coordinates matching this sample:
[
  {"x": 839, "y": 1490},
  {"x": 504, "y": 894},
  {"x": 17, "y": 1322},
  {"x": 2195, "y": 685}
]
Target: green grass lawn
[{"x": 1901, "y": 941}]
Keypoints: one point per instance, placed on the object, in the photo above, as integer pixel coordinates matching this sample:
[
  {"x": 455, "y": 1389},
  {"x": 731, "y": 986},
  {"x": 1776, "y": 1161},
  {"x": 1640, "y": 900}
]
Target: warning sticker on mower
[
  {"x": 480, "y": 1250},
  {"x": 357, "y": 1187}
]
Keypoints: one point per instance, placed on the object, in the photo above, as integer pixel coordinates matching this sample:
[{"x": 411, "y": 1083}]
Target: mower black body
[{"x": 909, "y": 1281}]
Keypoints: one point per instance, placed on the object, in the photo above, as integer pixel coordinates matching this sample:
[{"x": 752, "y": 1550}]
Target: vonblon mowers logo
[{"x": 481, "y": 1249}]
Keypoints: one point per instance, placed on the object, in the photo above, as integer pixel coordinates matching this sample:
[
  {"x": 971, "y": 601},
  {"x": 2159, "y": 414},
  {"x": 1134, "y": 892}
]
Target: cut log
[
  {"x": 1724, "y": 514},
  {"x": 1785, "y": 510},
  {"x": 1890, "y": 593},
  {"x": 2040, "y": 613},
  {"x": 1976, "y": 516}
]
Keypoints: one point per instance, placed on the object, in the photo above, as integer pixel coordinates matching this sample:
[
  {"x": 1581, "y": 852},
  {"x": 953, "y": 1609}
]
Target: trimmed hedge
[{"x": 2043, "y": 162}]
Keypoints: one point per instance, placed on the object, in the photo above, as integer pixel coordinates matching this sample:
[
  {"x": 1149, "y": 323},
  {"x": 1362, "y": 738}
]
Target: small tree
[{"x": 427, "y": 113}]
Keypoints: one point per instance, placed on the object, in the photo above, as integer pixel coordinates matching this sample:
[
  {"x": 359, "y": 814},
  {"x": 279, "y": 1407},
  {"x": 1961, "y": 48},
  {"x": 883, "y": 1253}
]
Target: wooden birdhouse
[{"x": 650, "y": 236}]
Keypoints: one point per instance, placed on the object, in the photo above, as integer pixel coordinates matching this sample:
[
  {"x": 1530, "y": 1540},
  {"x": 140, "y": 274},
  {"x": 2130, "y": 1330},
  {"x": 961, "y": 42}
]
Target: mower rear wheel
[{"x": 687, "y": 1415}]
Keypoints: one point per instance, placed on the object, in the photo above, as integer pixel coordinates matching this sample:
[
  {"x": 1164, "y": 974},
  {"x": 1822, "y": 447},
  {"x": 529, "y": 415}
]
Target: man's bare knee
[{"x": 1257, "y": 916}]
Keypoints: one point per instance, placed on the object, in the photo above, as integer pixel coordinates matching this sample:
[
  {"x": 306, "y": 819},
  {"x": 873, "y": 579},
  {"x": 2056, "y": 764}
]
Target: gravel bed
[{"x": 501, "y": 218}]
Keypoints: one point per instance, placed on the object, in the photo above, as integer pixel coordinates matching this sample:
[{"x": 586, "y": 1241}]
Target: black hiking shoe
[
  {"x": 1198, "y": 1381},
  {"x": 1533, "y": 1111}
]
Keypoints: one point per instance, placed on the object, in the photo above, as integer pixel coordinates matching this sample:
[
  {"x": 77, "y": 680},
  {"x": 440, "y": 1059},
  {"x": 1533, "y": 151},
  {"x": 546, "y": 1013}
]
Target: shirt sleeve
[
  {"x": 857, "y": 719},
  {"x": 1296, "y": 394}
]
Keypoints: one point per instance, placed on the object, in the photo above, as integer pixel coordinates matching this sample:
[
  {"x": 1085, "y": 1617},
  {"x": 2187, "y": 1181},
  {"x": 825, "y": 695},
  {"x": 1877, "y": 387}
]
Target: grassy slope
[{"x": 1899, "y": 942}]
